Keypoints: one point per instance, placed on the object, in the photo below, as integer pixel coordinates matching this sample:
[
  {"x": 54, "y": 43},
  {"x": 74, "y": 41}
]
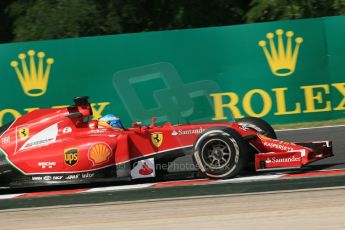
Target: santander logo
[
  {"x": 187, "y": 131},
  {"x": 145, "y": 170},
  {"x": 282, "y": 160}
]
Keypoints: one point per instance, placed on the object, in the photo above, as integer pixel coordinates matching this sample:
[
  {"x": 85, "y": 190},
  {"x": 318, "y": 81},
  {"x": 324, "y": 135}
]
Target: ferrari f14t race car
[{"x": 62, "y": 146}]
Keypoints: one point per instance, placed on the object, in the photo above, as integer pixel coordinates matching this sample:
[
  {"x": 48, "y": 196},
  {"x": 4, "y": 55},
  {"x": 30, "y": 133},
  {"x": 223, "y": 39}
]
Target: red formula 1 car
[{"x": 61, "y": 146}]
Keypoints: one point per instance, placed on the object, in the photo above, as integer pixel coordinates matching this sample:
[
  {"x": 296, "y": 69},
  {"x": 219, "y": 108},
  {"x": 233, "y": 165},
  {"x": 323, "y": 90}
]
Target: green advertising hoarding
[{"x": 284, "y": 72}]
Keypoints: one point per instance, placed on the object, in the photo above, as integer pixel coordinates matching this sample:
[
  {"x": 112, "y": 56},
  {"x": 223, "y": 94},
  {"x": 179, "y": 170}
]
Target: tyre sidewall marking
[{"x": 215, "y": 139}]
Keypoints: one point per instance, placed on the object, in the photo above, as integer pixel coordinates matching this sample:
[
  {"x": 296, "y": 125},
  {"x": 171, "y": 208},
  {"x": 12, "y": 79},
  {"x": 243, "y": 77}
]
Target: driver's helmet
[{"x": 110, "y": 120}]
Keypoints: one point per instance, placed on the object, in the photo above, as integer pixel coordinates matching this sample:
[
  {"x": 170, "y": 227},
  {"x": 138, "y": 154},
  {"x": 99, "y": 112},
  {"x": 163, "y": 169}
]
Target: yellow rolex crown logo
[
  {"x": 282, "y": 59},
  {"x": 33, "y": 76}
]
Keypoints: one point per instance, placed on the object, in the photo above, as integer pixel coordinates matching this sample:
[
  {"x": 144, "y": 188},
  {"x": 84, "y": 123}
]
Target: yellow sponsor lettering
[
  {"x": 8, "y": 112},
  {"x": 341, "y": 89},
  {"x": 220, "y": 105},
  {"x": 28, "y": 110},
  {"x": 71, "y": 157},
  {"x": 59, "y": 106},
  {"x": 314, "y": 95},
  {"x": 266, "y": 103},
  {"x": 281, "y": 103},
  {"x": 316, "y": 99},
  {"x": 97, "y": 112}
]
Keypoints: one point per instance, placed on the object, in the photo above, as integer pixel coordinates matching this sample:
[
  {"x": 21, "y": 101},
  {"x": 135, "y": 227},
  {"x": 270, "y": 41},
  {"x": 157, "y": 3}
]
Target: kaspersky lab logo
[
  {"x": 33, "y": 76},
  {"x": 282, "y": 58}
]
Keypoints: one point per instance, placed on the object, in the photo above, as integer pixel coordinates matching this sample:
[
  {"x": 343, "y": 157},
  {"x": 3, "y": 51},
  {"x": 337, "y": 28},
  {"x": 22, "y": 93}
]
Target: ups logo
[{"x": 71, "y": 156}]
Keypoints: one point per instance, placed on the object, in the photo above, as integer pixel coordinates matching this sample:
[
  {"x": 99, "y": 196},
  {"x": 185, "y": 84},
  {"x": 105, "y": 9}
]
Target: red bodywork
[{"x": 60, "y": 141}]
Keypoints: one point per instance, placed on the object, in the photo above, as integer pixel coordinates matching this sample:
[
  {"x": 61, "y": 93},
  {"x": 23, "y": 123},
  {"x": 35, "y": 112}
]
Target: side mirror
[
  {"x": 136, "y": 125},
  {"x": 153, "y": 123}
]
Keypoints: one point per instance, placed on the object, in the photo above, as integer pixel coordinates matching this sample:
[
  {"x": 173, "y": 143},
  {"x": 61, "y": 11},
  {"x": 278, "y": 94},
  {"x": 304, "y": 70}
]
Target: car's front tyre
[{"x": 220, "y": 153}]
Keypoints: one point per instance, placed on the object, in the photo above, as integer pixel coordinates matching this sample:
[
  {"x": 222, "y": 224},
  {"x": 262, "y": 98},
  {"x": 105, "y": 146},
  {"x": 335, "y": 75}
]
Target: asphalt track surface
[{"x": 315, "y": 209}]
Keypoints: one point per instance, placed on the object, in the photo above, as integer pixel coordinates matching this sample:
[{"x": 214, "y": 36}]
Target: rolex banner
[{"x": 284, "y": 72}]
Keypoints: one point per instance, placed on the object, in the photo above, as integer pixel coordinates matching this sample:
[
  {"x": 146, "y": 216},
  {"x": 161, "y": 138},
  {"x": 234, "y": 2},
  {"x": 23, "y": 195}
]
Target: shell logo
[{"x": 99, "y": 153}]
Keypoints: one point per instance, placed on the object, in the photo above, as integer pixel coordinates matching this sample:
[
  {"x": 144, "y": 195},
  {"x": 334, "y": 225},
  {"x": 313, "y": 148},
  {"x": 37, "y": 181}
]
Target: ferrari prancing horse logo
[
  {"x": 157, "y": 138},
  {"x": 23, "y": 133}
]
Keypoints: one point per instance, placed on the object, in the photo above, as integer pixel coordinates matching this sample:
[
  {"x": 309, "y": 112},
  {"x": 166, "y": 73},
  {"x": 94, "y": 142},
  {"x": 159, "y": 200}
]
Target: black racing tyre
[
  {"x": 258, "y": 125},
  {"x": 220, "y": 153}
]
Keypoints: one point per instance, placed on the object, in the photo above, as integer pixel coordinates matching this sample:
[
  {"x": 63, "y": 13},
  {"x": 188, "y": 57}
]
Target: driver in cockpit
[{"x": 110, "y": 121}]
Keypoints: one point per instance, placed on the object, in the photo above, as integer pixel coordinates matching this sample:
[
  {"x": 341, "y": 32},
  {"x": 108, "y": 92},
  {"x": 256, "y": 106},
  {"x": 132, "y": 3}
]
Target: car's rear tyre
[
  {"x": 220, "y": 153},
  {"x": 258, "y": 125}
]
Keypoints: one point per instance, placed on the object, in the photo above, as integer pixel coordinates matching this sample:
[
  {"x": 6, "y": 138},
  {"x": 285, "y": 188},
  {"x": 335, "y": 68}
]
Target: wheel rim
[{"x": 216, "y": 154}]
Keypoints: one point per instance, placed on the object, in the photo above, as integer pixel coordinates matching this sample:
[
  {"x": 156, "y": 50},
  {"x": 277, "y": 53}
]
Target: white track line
[
  {"x": 10, "y": 196},
  {"x": 118, "y": 188},
  {"x": 249, "y": 179}
]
